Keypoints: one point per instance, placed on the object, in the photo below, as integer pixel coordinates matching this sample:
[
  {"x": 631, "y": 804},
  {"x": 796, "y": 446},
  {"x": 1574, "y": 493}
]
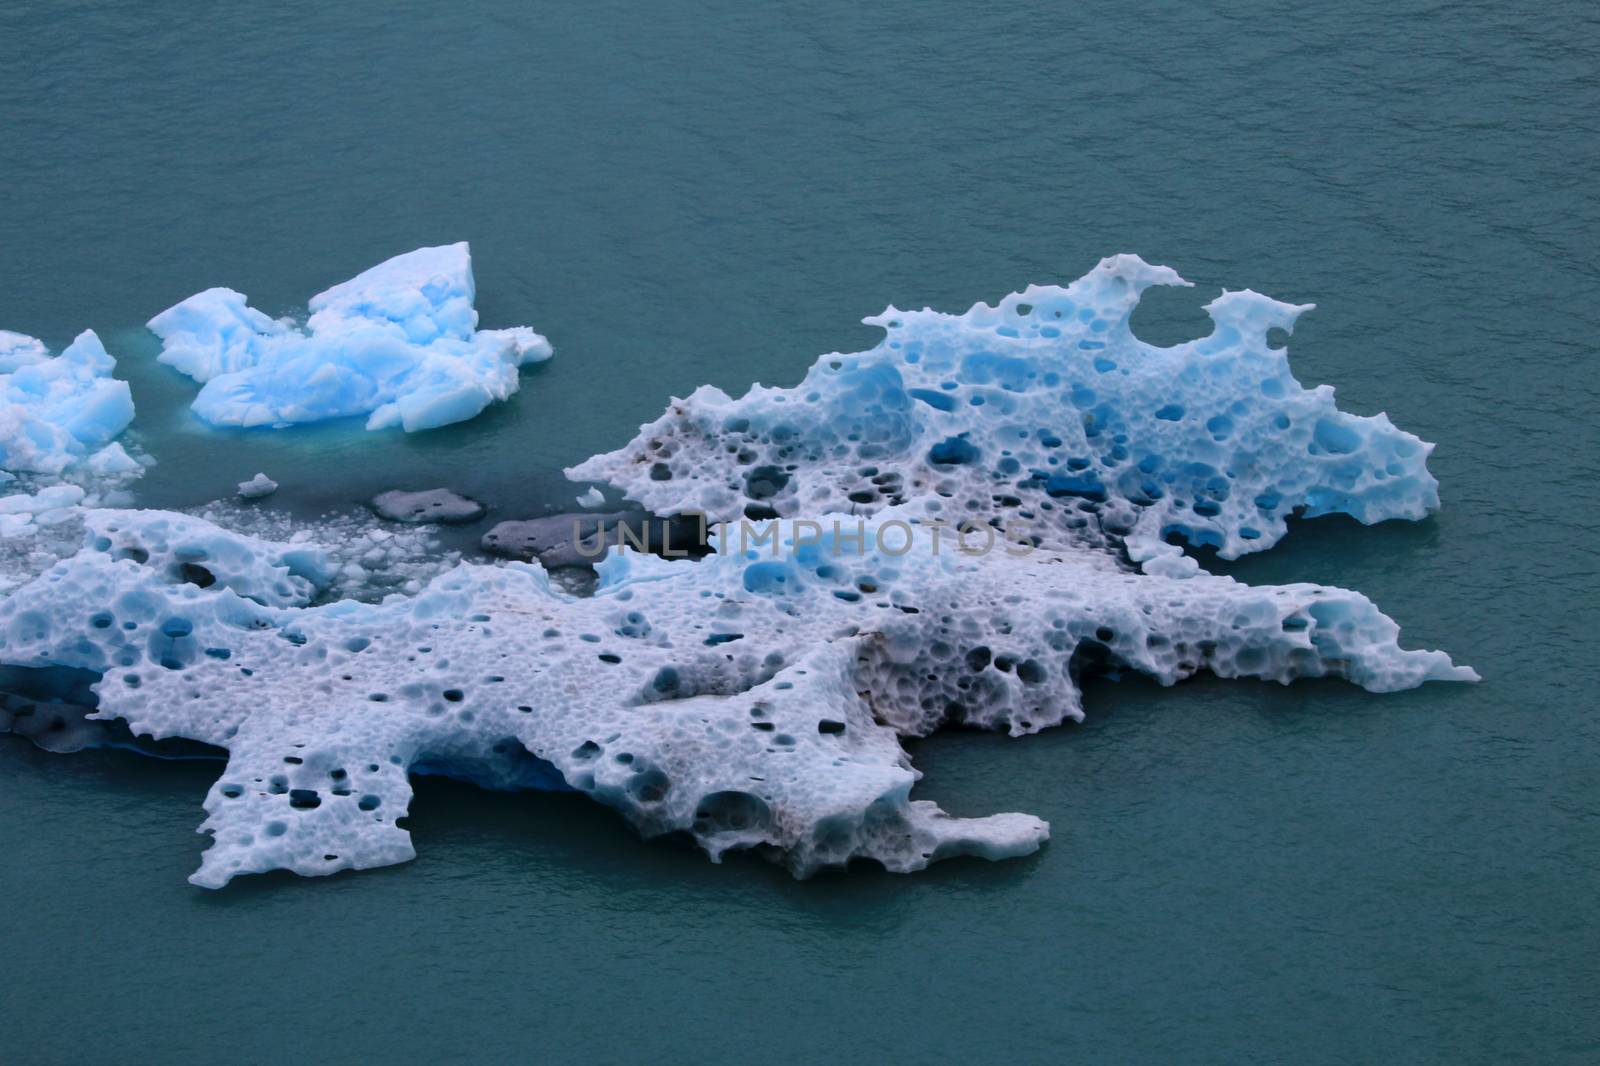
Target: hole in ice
[
  {"x": 953, "y": 451},
  {"x": 369, "y": 802},
  {"x": 649, "y": 786},
  {"x": 1335, "y": 438},
  {"x": 195, "y": 574},
  {"x": 454, "y": 695},
  {"x": 764, "y": 482},
  {"x": 304, "y": 799},
  {"x": 830, "y": 726},
  {"x": 1167, "y": 315},
  {"x": 723, "y": 812},
  {"x": 276, "y": 829}
]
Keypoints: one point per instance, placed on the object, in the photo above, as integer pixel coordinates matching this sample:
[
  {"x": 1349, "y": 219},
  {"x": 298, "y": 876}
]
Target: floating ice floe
[
  {"x": 62, "y": 412},
  {"x": 398, "y": 343},
  {"x": 1044, "y": 411},
  {"x": 974, "y": 514}
]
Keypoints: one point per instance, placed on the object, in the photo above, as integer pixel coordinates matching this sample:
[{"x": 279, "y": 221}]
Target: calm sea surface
[{"x": 718, "y": 192}]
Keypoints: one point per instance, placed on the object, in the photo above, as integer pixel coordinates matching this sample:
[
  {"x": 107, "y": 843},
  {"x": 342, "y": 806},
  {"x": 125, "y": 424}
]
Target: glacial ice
[
  {"x": 949, "y": 529},
  {"x": 398, "y": 343},
  {"x": 62, "y": 412},
  {"x": 18, "y": 350},
  {"x": 1043, "y": 412}
]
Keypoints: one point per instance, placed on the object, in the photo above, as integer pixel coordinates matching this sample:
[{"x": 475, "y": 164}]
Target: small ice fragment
[
  {"x": 593, "y": 498},
  {"x": 257, "y": 487}
]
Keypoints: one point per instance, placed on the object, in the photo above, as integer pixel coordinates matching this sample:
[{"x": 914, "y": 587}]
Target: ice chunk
[
  {"x": 398, "y": 343},
  {"x": 214, "y": 332},
  {"x": 1043, "y": 411},
  {"x": 18, "y": 350},
  {"x": 747, "y": 698},
  {"x": 593, "y": 497},
  {"x": 55, "y": 413},
  {"x": 257, "y": 487},
  {"x": 429, "y": 505}
]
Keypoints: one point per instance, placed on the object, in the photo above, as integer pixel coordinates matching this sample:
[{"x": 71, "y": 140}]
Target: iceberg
[
  {"x": 398, "y": 343},
  {"x": 61, "y": 413},
  {"x": 951, "y": 529},
  {"x": 18, "y": 350},
  {"x": 1043, "y": 411}
]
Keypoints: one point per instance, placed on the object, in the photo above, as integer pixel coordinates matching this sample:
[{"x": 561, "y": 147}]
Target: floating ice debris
[
  {"x": 961, "y": 507},
  {"x": 430, "y": 505},
  {"x": 398, "y": 343},
  {"x": 56, "y": 414},
  {"x": 257, "y": 487},
  {"x": 557, "y": 541},
  {"x": 592, "y": 498},
  {"x": 46, "y": 507}
]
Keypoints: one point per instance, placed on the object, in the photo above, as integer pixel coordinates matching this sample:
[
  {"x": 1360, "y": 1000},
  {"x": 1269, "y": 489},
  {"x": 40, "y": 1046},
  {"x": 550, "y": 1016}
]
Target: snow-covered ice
[
  {"x": 398, "y": 343},
  {"x": 972, "y": 513}
]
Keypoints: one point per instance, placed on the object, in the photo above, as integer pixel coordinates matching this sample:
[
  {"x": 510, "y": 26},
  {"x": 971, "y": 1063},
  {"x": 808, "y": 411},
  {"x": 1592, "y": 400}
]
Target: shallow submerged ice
[
  {"x": 398, "y": 343},
  {"x": 965, "y": 511}
]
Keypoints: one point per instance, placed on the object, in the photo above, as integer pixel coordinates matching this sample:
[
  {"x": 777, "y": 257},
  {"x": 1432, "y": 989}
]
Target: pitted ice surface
[
  {"x": 973, "y": 514},
  {"x": 1047, "y": 413},
  {"x": 748, "y": 699}
]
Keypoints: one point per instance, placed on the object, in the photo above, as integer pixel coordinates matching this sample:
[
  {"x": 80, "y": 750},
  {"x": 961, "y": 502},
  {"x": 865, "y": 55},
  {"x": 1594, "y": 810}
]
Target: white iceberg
[{"x": 398, "y": 343}]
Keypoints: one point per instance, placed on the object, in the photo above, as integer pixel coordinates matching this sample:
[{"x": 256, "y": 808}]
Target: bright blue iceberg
[
  {"x": 1043, "y": 413},
  {"x": 398, "y": 343},
  {"x": 63, "y": 413}
]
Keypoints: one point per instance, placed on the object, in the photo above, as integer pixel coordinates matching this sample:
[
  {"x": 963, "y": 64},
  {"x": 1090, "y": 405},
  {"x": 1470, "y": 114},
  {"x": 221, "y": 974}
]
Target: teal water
[{"x": 708, "y": 192}]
